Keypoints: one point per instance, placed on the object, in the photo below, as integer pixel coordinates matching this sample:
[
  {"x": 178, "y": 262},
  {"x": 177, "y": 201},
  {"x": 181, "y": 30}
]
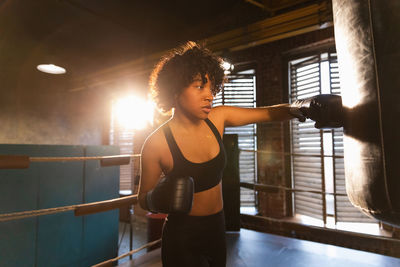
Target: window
[
  {"x": 130, "y": 114},
  {"x": 239, "y": 91},
  {"x": 317, "y": 155},
  {"x": 122, "y": 137}
]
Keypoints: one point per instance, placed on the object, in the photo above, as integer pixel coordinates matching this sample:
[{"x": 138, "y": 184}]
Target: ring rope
[
  {"x": 32, "y": 213},
  {"x": 106, "y": 263},
  {"x": 291, "y": 154},
  {"x": 52, "y": 159},
  {"x": 23, "y": 161}
]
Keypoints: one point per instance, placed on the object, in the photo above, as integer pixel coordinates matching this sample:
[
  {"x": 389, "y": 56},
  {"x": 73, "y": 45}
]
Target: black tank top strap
[
  {"x": 214, "y": 129},
  {"x": 173, "y": 146}
]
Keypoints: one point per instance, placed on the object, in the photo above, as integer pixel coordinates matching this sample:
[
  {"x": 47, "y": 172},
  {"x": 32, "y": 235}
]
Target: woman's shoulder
[
  {"x": 217, "y": 117},
  {"x": 154, "y": 141},
  {"x": 219, "y": 112}
]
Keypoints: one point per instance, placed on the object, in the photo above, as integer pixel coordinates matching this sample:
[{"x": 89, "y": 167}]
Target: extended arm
[
  {"x": 237, "y": 116},
  {"x": 325, "y": 110}
]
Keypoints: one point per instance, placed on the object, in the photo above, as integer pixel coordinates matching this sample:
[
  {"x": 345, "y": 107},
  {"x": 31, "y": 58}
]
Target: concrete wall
[{"x": 37, "y": 108}]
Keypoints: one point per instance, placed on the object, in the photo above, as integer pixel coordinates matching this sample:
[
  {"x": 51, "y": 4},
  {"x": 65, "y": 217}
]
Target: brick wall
[{"x": 269, "y": 61}]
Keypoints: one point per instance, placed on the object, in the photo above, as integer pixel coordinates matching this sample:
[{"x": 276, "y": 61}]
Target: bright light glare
[
  {"x": 351, "y": 79},
  {"x": 228, "y": 67},
  {"x": 51, "y": 69},
  {"x": 133, "y": 113}
]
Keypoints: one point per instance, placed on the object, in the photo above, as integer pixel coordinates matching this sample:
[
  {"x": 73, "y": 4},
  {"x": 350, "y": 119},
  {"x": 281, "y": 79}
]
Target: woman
[{"x": 189, "y": 144}]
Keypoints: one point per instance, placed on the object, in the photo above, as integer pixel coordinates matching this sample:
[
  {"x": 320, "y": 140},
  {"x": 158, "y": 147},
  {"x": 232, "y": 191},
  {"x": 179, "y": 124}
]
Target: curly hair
[{"x": 177, "y": 70}]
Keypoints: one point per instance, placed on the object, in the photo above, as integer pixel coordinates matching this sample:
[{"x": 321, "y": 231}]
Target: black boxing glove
[
  {"x": 326, "y": 110},
  {"x": 171, "y": 195}
]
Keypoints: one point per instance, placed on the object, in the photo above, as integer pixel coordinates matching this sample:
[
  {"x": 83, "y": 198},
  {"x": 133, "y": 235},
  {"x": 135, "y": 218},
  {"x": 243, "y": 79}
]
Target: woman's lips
[{"x": 206, "y": 109}]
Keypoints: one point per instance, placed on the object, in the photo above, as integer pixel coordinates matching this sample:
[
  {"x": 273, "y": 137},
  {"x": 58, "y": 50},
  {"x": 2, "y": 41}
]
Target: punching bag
[{"x": 367, "y": 36}]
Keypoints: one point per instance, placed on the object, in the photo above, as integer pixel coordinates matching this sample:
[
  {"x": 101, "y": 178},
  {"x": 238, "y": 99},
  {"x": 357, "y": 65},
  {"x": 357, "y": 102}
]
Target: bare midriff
[{"x": 207, "y": 202}]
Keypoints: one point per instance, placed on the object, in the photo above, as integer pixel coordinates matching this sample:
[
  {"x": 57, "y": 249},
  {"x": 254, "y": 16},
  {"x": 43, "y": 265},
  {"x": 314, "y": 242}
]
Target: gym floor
[
  {"x": 139, "y": 234},
  {"x": 253, "y": 249}
]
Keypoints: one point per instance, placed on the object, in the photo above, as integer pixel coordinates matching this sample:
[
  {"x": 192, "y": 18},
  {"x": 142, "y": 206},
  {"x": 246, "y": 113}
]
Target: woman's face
[{"x": 195, "y": 101}]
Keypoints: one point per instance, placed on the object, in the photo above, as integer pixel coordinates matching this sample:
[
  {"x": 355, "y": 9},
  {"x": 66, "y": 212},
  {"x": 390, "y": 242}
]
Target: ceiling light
[{"x": 51, "y": 69}]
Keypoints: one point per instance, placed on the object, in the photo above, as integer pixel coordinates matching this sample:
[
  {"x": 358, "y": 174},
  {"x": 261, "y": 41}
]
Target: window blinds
[
  {"x": 306, "y": 140},
  {"x": 315, "y": 165},
  {"x": 239, "y": 91}
]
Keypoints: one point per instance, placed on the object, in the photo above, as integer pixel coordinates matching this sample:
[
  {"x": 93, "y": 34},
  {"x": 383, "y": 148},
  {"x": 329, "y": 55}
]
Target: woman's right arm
[{"x": 150, "y": 170}]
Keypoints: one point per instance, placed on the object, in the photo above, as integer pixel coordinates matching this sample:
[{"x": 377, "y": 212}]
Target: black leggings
[{"x": 194, "y": 241}]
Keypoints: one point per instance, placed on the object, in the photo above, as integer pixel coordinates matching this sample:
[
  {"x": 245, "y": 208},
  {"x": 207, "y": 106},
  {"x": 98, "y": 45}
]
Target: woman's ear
[{"x": 175, "y": 103}]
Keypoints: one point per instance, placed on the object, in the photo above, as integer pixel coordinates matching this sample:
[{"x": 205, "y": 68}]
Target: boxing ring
[
  {"x": 245, "y": 247},
  {"x": 61, "y": 210}
]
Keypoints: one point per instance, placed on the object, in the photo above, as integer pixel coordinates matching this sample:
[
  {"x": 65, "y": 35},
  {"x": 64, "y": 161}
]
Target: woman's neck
[{"x": 187, "y": 122}]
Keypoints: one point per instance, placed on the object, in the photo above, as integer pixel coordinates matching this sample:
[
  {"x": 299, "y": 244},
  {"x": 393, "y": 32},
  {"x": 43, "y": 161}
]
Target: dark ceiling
[{"x": 87, "y": 35}]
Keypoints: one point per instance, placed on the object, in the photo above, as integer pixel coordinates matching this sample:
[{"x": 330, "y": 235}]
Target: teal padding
[
  {"x": 17, "y": 242},
  {"x": 59, "y": 241},
  {"x": 18, "y": 192},
  {"x": 101, "y": 229}
]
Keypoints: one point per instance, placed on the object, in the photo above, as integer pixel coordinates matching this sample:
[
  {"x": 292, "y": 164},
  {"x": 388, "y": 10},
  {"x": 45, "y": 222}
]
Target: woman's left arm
[{"x": 237, "y": 116}]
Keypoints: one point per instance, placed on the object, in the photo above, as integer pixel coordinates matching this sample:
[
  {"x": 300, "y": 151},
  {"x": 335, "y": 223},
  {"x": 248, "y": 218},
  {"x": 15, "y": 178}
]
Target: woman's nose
[{"x": 209, "y": 95}]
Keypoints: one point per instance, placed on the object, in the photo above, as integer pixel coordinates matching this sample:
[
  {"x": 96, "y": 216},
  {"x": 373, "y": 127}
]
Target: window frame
[
  {"x": 312, "y": 50},
  {"x": 240, "y": 67}
]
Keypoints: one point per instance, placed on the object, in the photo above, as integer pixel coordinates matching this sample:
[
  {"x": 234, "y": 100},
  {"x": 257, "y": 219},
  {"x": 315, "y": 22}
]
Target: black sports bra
[{"x": 206, "y": 174}]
